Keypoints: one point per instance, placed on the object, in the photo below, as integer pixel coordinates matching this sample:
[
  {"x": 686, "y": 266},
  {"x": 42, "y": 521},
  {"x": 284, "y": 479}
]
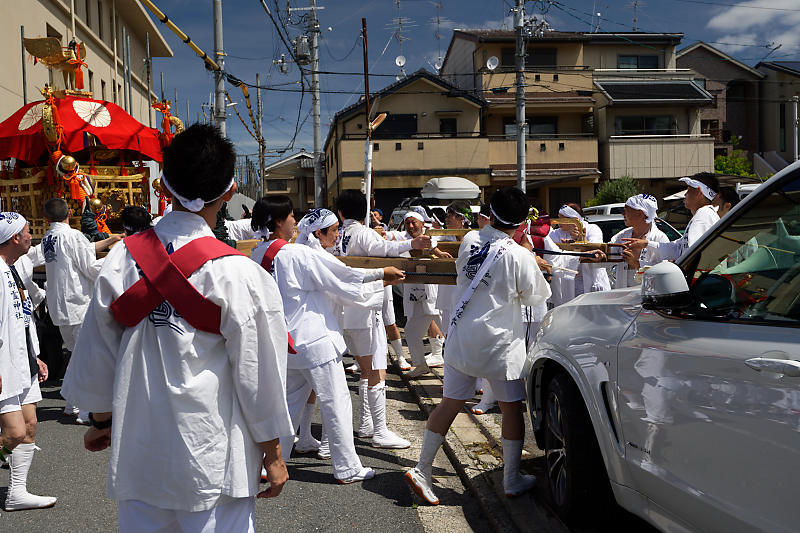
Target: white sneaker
[
  {"x": 422, "y": 485},
  {"x": 366, "y": 473},
  {"x": 307, "y": 444},
  {"x": 434, "y": 361},
  {"x": 71, "y": 411},
  {"x": 324, "y": 451},
  {"x": 351, "y": 369},
  {"x": 521, "y": 484},
  {"x": 402, "y": 364},
  {"x": 82, "y": 421},
  {"x": 389, "y": 439},
  {"x": 483, "y": 408},
  {"x": 418, "y": 371}
]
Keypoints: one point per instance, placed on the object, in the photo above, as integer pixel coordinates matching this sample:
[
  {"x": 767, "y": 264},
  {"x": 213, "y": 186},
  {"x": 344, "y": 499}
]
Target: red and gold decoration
[{"x": 100, "y": 216}]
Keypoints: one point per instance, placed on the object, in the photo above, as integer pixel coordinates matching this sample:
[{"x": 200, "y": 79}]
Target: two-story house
[
  {"x": 433, "y": 129},
  {"x": 780, "y": 84},
  {"x": 597, "y": 104},
  {"x": 735, "y": 88}
]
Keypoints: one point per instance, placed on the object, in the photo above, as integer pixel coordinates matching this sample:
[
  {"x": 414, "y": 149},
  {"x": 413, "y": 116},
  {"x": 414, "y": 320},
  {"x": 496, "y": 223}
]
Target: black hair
[
  {"x": 353, "y": 204},
  {"x": 269, "y": 210},
  {"x": 729, "y": 195},
  {"x": 439, "y": 214},
  {"x": 458, "y": 206},
  {"x": 135, "y": 218},
  {"x": 510, "y": 204},
  {"x": 56, "y": 210},
  {"x": 199, "y": 163},
  {"x": 485, "y": 210},
  {"x": 708, "y": 179}
]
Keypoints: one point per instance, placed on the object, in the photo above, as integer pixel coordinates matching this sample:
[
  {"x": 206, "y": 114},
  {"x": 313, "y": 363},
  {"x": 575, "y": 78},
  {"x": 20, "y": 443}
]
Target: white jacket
[
  {"x": 15, "y": 314},
  {"x": 188, "y": 406}
]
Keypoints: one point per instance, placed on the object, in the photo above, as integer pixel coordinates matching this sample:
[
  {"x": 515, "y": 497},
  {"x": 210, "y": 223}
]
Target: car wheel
[{"x": 576, "y": 476}]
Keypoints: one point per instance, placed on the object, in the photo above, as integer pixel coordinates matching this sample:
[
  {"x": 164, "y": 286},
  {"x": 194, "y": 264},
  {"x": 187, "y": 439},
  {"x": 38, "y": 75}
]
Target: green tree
[
  {"x": 735, "y": 164},
  {"x": 615, "y": 191}
]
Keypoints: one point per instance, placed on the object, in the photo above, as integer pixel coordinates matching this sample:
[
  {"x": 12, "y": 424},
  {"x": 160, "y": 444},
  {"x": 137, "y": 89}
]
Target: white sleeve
[
  {"x": 531, "y": 285},
  {"x": 379, "y": 247},
  {"x": 700, "y": 226},
  {"x": 35, "y": 255},
  {"x": 257, "y": 351},
  {"x": 239, "y": 230},
  {"x": 86, "y": 256}
]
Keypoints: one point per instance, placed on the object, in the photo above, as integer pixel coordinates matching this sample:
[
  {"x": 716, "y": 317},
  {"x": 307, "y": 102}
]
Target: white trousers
[
  {"x": 416, "y": 330},
  {"x": 70, "y": 335},
  {"x": 333, "y": 397},
  {"x": 235, "y": 515}
]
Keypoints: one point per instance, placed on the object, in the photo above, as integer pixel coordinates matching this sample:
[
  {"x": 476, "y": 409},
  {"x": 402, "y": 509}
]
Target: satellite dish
[
  {"x": 437, "y": 65},
  {"x": 400, "y": 61},
  {"x": 492, "y": 63}
]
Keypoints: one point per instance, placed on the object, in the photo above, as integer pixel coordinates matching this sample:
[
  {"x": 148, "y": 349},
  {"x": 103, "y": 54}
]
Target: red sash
[
  {"x": 266, "y": 263},
  {"x": 164, "y": 277}
]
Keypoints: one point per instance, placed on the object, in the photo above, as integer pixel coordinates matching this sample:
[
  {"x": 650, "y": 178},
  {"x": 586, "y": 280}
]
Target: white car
[
  {"x": 605, "y": 209},
  {"x": 682, "y": 398}
]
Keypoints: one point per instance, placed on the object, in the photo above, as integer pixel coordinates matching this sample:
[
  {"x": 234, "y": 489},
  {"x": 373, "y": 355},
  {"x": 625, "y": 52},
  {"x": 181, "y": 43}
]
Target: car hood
[{"x": 591, "y": 323}]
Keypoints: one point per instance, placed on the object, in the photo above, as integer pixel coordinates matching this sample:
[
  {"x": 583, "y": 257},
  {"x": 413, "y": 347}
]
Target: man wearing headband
[
  {"x": 72, "y": 267},
  {"x": 496, "y": 278},
  {"x": 185, "y": 343},
  {"x": 419, "y": 307},
  {"x": 640, "y": 215},
  {"x": 701, "y": 189},
  {"x": 20, "y": 368},
  {"x": 591, "y": 277},
  {"x": 364, "y": 332}
]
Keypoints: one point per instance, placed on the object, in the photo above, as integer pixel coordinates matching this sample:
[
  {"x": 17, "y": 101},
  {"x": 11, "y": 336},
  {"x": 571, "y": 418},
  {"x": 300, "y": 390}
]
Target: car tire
[{"x": 576, "y": 477}]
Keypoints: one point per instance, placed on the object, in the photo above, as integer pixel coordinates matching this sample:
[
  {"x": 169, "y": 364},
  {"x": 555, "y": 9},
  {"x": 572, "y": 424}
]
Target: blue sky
[{"x": 749, "y": 30}]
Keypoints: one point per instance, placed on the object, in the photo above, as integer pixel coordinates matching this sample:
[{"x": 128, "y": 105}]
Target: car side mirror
[{"x": 664, "y": 287}]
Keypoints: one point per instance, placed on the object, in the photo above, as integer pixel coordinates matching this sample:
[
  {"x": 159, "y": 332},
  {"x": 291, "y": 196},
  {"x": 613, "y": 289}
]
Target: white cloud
[{"x": 743, "y": 26}]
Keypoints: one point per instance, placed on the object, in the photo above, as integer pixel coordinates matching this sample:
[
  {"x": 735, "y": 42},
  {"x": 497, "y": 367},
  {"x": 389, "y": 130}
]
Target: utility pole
[
  {"x": 219, "y": 79},
  {"x": 24, "y": 74},
  {"x": 149, "y": 78},
  {"x": 313, "y": 29},
  {"x": 795, "y": 100},
  {"x": 124, "y": 73},
  {"x": 175, "y": 104},
  {"x": 162, "y": 85},
  {"x": 188, "y": 118},
  {"x": 260, "y": 115},
  {"x": 368, "y": 149},
  {"x": 519, "y": 26},
  {"x": 130, "y": 71}
]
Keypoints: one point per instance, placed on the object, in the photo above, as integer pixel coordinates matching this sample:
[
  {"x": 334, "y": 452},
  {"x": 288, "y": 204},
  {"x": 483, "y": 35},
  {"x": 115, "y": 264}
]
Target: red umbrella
[{"x": 21, "y": 134}]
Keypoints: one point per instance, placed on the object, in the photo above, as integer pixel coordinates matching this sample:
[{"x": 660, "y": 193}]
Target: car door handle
[{"x": 787, "y": 367}]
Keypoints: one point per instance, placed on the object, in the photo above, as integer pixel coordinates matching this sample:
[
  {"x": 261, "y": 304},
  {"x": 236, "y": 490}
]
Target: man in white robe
[
  {"x": 640, "y": 216},
  {"x": 196, "y": 413},
  {"x": 20, "y": 368},
  {"x": 72, "y": 266},
  {"x": 496, "y": 278},
  {"x": 364, "y": 332}
]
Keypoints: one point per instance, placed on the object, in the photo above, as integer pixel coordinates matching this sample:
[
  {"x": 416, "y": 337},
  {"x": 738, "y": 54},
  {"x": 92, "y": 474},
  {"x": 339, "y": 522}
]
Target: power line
[{"x": 737, "y": 5}]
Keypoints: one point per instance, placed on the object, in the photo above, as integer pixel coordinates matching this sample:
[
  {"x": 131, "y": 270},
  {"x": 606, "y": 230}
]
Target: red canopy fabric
[{"x": 21, "y": 134}]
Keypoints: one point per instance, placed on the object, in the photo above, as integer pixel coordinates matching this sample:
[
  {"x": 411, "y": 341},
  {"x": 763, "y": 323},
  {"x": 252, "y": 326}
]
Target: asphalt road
[{"x": 311, "y": 501}]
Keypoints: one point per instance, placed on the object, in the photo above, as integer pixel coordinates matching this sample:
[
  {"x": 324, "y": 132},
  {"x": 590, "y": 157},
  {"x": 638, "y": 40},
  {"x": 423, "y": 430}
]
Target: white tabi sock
[
  {"x": 431, "y": 443},
  {"x": 18, "y": 497},
  {"x": 365, "y": 428},
  {"x": 382, "y": 438},
  {"x": 306, "y": 441},
  {"x": 397, "y": 347},
  {"x": 514, "y": 482}
]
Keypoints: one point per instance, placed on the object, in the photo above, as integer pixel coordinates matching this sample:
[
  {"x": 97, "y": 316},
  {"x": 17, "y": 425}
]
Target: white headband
[
  {"x": 568, "y": 212},
  {"x": 645, "y": 203},
  {"x": 198, "y": 203},
  {"x": 314, "y": 220},
  {"x": 10, "y": 224},
  {"x": 705, "y": 189},
  {"x": 414, "y": 214},
  {"x": 501, "y": 220}
]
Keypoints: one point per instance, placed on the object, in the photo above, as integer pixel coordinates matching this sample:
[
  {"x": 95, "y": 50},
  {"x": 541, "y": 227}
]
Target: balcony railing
[
  {"x": 538, "y": 79},
  {"x": 416, "y": 153},
  {"x": 551, "y": 150},
  {"x": 379, "y": 137}
]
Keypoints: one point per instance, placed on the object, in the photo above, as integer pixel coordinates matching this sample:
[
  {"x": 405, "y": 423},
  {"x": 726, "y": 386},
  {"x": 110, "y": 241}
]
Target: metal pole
[
  {"x": 368, "y": 149},
  {"x": 519, "y": 22},
  {"x": 149, "y": 78},
  {"x": 187, "y": 113},
  {"x": 114, "y": 29},
  {"x": 795, "y": 100},
  {"x": 175, "y": 104},
  {"x": 313, "y": 28},
  {"x": 260, "y": 113},
  {"x": 162, "y": 85},
  {"x": 24, "y": 73},
  {"x": 72, "y": 17},
  {"x": 219, "y": 79},
  {"x": 124, "y": 73},
  {"x": 130, "y": 71}
]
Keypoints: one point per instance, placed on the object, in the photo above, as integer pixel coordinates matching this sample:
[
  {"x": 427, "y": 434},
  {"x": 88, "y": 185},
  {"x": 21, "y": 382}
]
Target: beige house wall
[
  {"x": 555, "y": 152},
  {"x": 444, "y": 153},
  {"x": 657, "y": 156},
  {"x": 37, "y": 15},
  {"x": 568, "y": 123},
  {"x": 604, "y": 56},
  {"x": 777, "y": 87}
]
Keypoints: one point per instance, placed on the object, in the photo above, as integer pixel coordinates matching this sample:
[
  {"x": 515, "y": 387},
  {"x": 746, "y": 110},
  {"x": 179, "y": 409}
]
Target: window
[
  {"x": 510, "y": 127},
  {"x": 541, "y": 57},
  {"x": 420, "y": 146},
  {"x": 700, "y": 82},
  {"x": 100, "y": 26},
  {"x": 88, "y": 14},
  {"x": 637, "y": 62},
  {"x": 555, "y": 77},
  {"x": 103, "y": 90},
  {"x": 543, "y": 125},
  {"x": 398, "y": 146},
  {"x": 277, "y": 185},
  {"x": 507, "y": 57},
  {"x": 750, "y": 271},
  {"x": 91, "y": 81},
  {"x": 376, "y": 147},
  {"x": 645, "y": 125},
  {"x": 397, "y": 125},
  {"x": 782, "y": 127},
  {"x": 448, "y": 126}
]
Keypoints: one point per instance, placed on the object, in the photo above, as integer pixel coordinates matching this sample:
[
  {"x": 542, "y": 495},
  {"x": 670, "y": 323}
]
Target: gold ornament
[
  {"x": 66, "y": 164},
  {"x": 157, "y": 184},
  {"x": 96, "y": 205}
]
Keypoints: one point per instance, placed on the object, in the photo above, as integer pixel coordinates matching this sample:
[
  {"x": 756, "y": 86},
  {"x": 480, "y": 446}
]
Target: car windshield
[
  {"x": 759, "y": 256},
  {"x": 671, "y": 233}
]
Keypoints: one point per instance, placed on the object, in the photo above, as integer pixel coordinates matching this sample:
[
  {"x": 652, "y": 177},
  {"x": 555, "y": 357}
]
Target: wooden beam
[
  {"x": 444, "y": 232},
  {"x": 409, "y": 265}
]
